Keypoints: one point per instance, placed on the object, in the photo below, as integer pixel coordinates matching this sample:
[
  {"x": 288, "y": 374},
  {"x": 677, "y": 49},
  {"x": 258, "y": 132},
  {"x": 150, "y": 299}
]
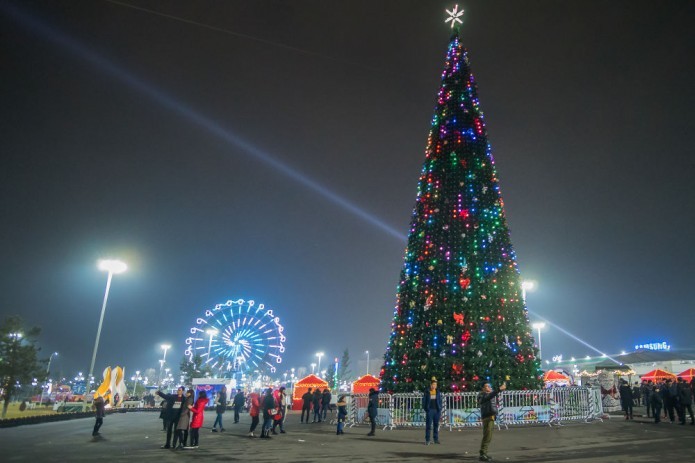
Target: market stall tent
[
  {"x": 657, "y": 374},
  {"x": 363, "y": 384},
  {"x": 552, "y": 377},
  {"x": 688, "y": 374},
  {"x": 303, "y": 385}
]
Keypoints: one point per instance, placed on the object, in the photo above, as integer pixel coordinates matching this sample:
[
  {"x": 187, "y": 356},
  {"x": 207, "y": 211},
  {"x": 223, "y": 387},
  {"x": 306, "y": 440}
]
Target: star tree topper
[{"x": 454, "y": 16}]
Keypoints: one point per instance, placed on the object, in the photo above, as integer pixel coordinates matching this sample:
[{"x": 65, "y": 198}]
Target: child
[
  {"x": 197, "y": 422},
  {"x": 342, "y": 414}
]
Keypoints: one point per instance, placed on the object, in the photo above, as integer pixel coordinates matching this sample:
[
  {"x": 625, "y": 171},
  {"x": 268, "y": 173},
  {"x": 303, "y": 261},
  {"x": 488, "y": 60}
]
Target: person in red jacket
[
  {"x": 254, "y": 409},
  {"x": 197, "y": 422}
]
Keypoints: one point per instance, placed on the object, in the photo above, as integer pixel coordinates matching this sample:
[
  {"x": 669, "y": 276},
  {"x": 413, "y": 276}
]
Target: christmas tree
[{"x": 460, "y": 315}]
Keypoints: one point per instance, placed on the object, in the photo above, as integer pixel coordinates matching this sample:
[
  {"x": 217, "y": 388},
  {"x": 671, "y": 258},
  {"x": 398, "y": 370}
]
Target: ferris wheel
[{"x": 236, "y": 337}]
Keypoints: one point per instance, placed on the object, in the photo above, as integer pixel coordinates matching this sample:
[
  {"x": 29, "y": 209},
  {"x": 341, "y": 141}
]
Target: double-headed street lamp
[
  {"x": 136, "y": 378},
  {"x": 112, "y": 267},
  {"x": 367, "y": 352}
]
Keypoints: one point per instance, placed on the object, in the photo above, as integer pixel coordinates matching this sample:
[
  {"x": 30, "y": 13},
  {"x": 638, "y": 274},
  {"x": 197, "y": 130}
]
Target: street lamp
[
  {"x": 313, "y": 365},
  {"x": 136, "y": 378},
  {"x": 112, "y": 267},
  {"x": 211, "y": 332},
  {"x": 527, "y": 286},
  {"x": 367, "y": 352},
  {"x": 539, "y": 326},
  {"x": 319, "y": 355},
  {"x": 48, "y": 369},
  {"x": 165, "y": 348}
]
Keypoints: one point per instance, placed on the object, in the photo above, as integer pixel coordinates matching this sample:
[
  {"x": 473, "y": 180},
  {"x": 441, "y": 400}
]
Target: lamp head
[{"x": 112, "y": 266}]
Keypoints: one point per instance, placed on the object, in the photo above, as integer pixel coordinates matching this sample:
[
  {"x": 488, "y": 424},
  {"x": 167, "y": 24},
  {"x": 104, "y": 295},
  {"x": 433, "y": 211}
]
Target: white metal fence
[{"x": 461, "y": 409}]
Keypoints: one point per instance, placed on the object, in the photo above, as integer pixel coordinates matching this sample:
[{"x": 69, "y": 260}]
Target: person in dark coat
[
  {"x": 669, "y": 393},
  {"x": 626, "y": 398},
  {"x": 325, "y": 402},
  {"x": 220, "y": 408},
  {"x": 269, "y": 407},
  {"x": 306, "y": 404},
  {"x": 636, "y": 394},
  {"x": 685, "y": 401},
  {"x": 99, "y": 412},
  {"x": 656, "y": 401},
  {"x": 316, "y": 398},
  {"x": 372, "y": 408},
  {"x": 238, "y": 404},
  {"x": 432, "y": 405},
  {"x": 342, "y": 414},
  {"x": 487, "y": 401},
  {"x": 646, "y": 389},
  {"x": 174, "y": 402}
]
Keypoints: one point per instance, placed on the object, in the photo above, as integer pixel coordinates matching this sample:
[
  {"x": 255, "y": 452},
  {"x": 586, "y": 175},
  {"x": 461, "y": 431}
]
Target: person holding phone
[{"x": 487, "y": 401}]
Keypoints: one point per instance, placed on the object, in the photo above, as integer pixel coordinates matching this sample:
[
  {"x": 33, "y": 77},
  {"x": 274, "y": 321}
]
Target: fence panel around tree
[{"x": 461, "y": 409}]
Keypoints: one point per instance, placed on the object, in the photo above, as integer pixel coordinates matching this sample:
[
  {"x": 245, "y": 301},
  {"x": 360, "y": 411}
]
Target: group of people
[
  {"x": 320, "y": 401},
  {"x": 674, "y": 397},
  {"x": 182, "y": 417}
]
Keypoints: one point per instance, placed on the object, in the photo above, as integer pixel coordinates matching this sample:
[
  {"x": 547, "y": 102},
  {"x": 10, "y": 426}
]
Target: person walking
[
  {"x": 432, "y": 405},
  {"x": 656, "y": 401},
  {"x": 626, "y": 399},
  {"x": 281, "y": 401},
  {"x": 172, "y": 410},
  {"x": 220, "y": 408},
  {"x": 306, "y": 405},
  {"x": 685, "y": 401},
  {"x": 254, "y": 411},
  {"x": 636, "y": 394},
  {"x": 487, "y": 401},
  {"x": 325, "y": 402},
  {"x": 99, "y": 413},
  {"x": 342, "y": 414},
  {"x": 238, "y": 404},
  {"x": 669, "y": 393},
  {"x": 269, "y": 408},
  {"x": 372, "y": 409},
  {"x": 183, "y": 422}
]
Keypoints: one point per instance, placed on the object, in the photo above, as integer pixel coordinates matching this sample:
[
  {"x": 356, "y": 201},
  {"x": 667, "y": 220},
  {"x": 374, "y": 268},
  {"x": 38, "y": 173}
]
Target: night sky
[{"x": 270, "y": 150}]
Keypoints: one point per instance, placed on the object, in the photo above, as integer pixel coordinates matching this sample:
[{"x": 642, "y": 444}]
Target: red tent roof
[
  {"x": 311, "y": 381},
  {"x": 657, "y": 374},
  {"x": 368, "y": 380},
  {"x": 552, "y": 375},
  {"x": 687, "y": 374}
]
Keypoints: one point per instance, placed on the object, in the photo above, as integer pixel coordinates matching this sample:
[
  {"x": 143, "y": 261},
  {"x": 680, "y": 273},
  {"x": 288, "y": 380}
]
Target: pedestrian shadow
[{"x": 432, "y": 456}]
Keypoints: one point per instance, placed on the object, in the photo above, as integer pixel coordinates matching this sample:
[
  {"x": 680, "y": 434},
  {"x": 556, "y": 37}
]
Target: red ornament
[
  {"x": 464, "y": 282},
  {"x": 458, "y": 318}
]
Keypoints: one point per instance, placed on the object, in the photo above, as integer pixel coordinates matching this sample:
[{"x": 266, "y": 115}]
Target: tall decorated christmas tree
[{"x": 460, "y": 315}]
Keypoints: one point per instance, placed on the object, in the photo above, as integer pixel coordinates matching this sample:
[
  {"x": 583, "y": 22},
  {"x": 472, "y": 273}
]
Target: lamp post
[
  {"x": 367, "y": 352},
  {"x": 112, "y": 267},
  {"x": 165, "y": 348},
  {"x": 319, "y": 355},
  {"x": 539, "y": 326},
  {"x": 313, "y": 365},
  {"x": 48, "y": 370},
  {"x": 136, "y": 378},
  {"x": 211, "y": 332},
  {"x": 527, "y": 286}
]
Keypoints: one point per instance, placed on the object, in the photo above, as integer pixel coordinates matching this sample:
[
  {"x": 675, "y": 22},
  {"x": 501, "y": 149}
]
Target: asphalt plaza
[{"x": 137, "y": 436}]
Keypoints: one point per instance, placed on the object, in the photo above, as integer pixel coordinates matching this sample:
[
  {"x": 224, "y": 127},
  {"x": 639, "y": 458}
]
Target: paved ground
[{"x": 137, "y": 436}]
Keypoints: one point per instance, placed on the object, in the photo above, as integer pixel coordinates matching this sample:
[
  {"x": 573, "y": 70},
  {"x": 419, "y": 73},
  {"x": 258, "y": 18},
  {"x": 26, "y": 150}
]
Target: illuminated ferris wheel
[{"x": 236, "y": 337}]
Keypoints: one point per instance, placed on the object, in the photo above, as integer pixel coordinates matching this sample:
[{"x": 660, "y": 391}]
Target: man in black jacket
[
  {"x": 626, "y": 398},
  {"x": 306, "y": 404},
  {"x": 238, "y": 404},
  {"x": 488, "y": 413},
  {"x": 172, "y": 411},
  {"x": 372, "y": 409},
  {"x": 685, "y": 401}
]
